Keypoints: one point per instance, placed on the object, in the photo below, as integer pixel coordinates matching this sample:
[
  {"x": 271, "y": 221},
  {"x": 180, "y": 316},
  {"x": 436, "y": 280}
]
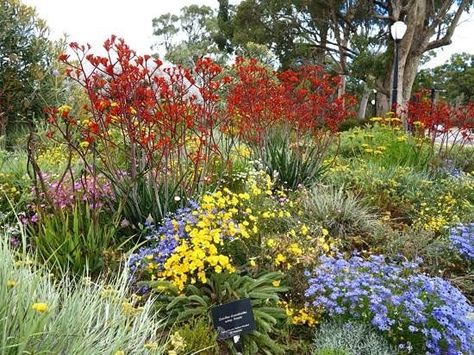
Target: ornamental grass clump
[
  {"x": 462, "y": 239},
  {"x": 418, "y": 312},
  {"x": 41, "y": 315}
]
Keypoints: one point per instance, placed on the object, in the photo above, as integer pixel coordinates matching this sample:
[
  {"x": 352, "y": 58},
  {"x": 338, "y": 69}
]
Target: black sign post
[{"x": 232, "y": 320}]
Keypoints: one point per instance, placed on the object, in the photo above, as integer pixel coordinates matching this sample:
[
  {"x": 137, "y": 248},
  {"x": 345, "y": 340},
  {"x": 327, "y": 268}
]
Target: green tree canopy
[
  {"x": 189, "y": 36},
  {"x": 454, "y": 80},
  {"x": 27, "y": 66}
]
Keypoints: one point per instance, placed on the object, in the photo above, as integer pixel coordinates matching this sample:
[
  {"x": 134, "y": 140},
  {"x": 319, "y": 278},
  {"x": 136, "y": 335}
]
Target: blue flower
[
  {"x": 396, "y": 300},
  {"x": 462, "y": 239}
]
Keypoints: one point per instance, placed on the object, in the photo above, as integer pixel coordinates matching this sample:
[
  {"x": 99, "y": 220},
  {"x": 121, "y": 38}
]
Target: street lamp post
[
  {"x": 374, "y": 102},
  {"x": 397, "y": 30}
]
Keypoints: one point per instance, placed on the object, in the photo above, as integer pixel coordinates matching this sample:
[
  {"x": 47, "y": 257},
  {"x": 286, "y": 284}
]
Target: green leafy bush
[
  {"x": 14, "y": 181},
  {"x": 462, "y": 158},
  {"x": 386, "y": 145},
  {"x": 350, "y": 338},
  {"x": 426, "y": 201},
  {"x": 198, "y": 337}
]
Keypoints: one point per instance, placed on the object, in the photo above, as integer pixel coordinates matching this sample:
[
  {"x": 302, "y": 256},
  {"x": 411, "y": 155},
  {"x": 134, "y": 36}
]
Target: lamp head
[{"x": 398, "y": 30}]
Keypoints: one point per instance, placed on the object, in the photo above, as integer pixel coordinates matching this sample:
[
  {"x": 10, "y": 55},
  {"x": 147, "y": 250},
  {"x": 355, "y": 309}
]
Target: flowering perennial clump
[
  {"x": 462, "y": 238},
  {"x": 190, "y": 242},
  {"x": 64, "y": 193},
  {"x": 417, "y": 311}
]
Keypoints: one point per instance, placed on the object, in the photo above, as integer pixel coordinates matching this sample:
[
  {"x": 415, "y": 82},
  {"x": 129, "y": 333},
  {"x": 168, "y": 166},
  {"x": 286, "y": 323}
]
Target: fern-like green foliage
[
  {"x": 198, "y": 337},
  {"x": 197, "y": 301}
]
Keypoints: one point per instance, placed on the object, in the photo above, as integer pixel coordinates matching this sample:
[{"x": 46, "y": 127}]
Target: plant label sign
[{"x": 233, "y": 319}]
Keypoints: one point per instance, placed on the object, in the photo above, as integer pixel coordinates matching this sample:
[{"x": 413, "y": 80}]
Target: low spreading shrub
[
  {"x": 197, "y": 336},
  {"x": 350, "y": 338},
  {"x": 220, "y": 288},
  {"x": 385, "y": 144},
  {"x": 416, "y": 198}
]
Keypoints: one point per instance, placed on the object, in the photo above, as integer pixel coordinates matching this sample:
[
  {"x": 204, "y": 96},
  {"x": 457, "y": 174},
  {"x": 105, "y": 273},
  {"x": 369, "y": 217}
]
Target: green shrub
[
  {"x": 386, "y": 146},
  {"x": 198, "y": 337},
  {"x": 42, "y": 316},
  {"x": 350, "y": 338},
  {"x": 341, "y": 212},
  {"x": 462, "y": 158},
  {"x": 352, "y": 123},
  {"x": 409, "y": 197},
  {"x": 14, "y": 181}
]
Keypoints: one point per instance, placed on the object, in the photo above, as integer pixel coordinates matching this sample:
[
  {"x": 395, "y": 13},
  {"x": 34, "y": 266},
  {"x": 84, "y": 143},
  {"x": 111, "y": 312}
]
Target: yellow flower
[
  {"x": 151, "y": 346},
  {"x": 304, "y": 229},
  {"x": 129, "y": 310},
  {"x": 376, "y": 119},
  {"x": 252, "y": 263},
  {"x": 11, "y": 283},
  {"x": 40, "y": 307},
  {"x": 64, "y": 109},
  {"x": 276, "y": 283},
  {"x": 84, "y": 144},
  {"x": 280, "y": 259}
]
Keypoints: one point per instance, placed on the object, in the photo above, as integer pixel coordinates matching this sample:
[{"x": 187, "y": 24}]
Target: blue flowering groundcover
[
  {"x": 418, "y": 312},
  {"x": 462, "y": 238}
]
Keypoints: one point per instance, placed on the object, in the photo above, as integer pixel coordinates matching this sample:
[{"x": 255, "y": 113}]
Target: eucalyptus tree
[
  {"x": 188, "y": 36},
  {"x": 351, "y": 37}
]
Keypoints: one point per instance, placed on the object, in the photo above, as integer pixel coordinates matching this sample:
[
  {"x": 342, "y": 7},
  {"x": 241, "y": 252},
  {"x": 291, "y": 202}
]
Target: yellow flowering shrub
[
  {"x": 221, "y": 218},
  {"x": 386, "y": 144},
  {"x": 301, "y": 315},
  {"x": 10, "y": 190},
  {"x": 51, "y": 157},
  {"x": 441, "y": 211},
  {"x": 299, "y": 246}
]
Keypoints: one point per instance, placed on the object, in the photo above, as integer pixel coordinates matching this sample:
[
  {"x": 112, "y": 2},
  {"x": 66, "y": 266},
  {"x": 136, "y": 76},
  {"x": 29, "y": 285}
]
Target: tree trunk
[
  {"x": 363, "y": 104},
  {"x": 423, "y": 19},
  {"x": 409, "y": 75},
  {"x": 382, "y": 104}
]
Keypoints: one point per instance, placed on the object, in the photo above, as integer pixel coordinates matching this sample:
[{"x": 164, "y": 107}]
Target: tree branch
[{"x": 446, "y": 39}]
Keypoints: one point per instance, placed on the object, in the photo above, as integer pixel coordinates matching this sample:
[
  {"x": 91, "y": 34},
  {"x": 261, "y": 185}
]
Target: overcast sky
[{"x": 93, "y": 21}]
